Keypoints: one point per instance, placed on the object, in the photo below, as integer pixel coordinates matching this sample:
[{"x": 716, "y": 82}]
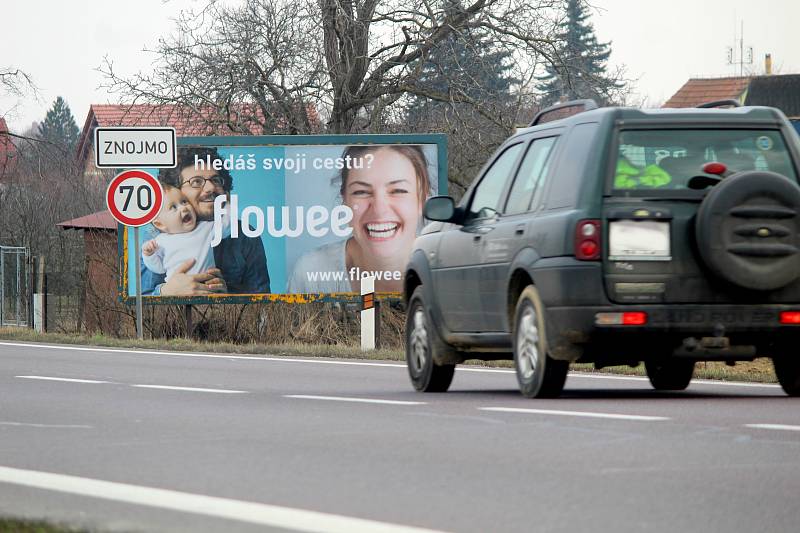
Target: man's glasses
[{"x": 199, "y": 182}]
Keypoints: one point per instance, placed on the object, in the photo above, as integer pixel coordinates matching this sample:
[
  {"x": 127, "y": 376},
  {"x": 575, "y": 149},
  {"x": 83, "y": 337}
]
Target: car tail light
[
  {"x": 587, "y": 240},
  {"x": 790, "y": 317},
  {"x": 628, "y": 318}
]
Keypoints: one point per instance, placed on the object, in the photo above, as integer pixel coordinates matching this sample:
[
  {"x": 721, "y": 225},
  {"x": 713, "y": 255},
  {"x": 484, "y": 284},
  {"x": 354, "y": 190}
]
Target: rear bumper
[{"x": 750, "y": 331}]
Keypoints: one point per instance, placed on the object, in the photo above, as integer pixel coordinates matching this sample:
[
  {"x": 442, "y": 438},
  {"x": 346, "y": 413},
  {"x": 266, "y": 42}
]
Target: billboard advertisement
[{"x": 292, "y": 218}]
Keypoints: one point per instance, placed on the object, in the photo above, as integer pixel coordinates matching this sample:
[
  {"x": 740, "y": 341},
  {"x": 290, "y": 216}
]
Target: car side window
[
  {"x": 488, "y": 194},
  {"x": 531, "y": 173}
]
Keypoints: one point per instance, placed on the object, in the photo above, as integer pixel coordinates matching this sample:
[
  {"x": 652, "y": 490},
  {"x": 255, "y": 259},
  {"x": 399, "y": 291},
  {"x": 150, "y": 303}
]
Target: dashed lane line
[
  {"x": 69, "y": 380},
  {"x": 190, "y": 389},
  {"x": 582, "y": 414},
  {"x": 778, "y": 427},
  {"x": 349, "y": 399},
  {"x": 136, "y": 385}
]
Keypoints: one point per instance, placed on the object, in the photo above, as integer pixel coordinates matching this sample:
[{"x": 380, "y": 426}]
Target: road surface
[{"x": 121, "y": 440}]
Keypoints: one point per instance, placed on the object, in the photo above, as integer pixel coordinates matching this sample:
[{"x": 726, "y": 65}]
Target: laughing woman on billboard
[{"x": 386, "y": 196}]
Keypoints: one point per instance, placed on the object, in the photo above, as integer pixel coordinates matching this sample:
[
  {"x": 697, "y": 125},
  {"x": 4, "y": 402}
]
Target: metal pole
[
  {"x": 2, "y": 286},
  {"x": 138, "y": 253},
  {"x": 19, "y": 294}
]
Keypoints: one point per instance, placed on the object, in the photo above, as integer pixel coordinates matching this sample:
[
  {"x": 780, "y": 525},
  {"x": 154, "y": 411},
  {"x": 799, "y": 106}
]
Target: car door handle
[{"x": 519, "y": 229}]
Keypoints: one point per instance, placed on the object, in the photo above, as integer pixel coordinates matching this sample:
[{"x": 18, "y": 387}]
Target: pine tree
[
  {"x": 579, "y": 66},
  {"x": 464, "y": 67},
  {"x": 59, "y": 126}
]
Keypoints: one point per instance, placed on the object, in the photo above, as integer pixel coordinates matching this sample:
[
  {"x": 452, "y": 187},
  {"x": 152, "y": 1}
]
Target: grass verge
[
  {"x": 759, "y": 370},
  {"x": 14, "y": 525}
]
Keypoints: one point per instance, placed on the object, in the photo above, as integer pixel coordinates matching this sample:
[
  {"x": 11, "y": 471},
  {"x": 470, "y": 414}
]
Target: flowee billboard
[{"x": 292, "y": 218}]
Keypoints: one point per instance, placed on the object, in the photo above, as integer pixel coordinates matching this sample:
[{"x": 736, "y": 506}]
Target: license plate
[{"x": 638, "y": 240}]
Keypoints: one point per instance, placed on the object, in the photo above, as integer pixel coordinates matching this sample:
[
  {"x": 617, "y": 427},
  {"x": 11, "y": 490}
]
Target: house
[
  {"x": 697, "y": 91},
  {"x": 781, "y": 91},
  {"x": 8, "y": 153}
]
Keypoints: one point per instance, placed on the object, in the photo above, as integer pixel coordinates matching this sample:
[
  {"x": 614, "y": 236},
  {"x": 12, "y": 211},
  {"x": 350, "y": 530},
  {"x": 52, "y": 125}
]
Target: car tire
[
  {"x": 787, "y": 370},
  {"x": 669, "y": 374},
  {"x": 539, "y": 375},
  {"x": 424, "y": 347}
]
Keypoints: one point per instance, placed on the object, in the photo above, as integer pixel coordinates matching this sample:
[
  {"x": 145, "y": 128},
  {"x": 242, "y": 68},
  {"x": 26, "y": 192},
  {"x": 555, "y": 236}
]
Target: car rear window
[{"x": 664, "y": 159}]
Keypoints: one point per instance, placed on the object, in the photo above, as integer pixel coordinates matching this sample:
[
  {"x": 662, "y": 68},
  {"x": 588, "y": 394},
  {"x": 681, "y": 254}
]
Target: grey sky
[{"x": 662, "y": 44}]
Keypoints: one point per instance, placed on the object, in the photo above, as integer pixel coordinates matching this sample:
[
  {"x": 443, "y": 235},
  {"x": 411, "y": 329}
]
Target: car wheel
[
  {"x": 539, "y": 375},
  {"x": 670, "y": 374},
  {"x": 424, "y": 347},
  {"x": 787, "y": 370}
]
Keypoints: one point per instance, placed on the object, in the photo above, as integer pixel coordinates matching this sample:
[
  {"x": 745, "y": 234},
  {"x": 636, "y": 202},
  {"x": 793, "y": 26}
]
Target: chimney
[{"x": 768, "y": 64}]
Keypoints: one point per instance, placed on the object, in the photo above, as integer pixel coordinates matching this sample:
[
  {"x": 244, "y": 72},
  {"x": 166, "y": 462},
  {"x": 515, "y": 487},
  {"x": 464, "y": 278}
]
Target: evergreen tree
[
  {"x": 59, "y": 126},
  {"x": 464, "y": 67},
  {"x": 579, "y": 66}
]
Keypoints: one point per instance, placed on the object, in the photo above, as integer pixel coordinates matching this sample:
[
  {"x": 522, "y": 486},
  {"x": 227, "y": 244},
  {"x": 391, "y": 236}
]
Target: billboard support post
[{"x": 187, "y": 313}]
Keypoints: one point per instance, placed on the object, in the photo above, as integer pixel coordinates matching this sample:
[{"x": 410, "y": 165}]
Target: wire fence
[{"x": 14, "y": 286}]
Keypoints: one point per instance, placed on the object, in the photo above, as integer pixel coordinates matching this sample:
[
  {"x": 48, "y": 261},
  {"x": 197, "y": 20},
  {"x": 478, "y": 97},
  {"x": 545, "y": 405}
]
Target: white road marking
[
  {"x": 190, "y": 389},
  {"x": 70, "y": 380},
  {"x": 574, "y": 413},
  {"x": 242, "y": 511},
  {"x": 581, "y": 375},
  {"x": 56, "y": 426},
  {"x": 779, "y": 427},
  {"x": 347, "y": 399}
]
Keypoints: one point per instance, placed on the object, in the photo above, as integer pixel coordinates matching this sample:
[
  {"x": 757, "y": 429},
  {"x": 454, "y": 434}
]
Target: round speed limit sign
[{"x": 134, "y": 197}]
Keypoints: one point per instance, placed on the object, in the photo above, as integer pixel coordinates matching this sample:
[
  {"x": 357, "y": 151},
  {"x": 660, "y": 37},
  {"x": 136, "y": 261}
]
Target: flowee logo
[{"x": 316, "y": 220}]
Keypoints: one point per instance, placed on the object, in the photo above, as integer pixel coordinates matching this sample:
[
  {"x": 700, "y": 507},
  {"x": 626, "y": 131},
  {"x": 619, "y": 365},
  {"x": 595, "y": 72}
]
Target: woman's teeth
[{"x": 382, "y": 231}]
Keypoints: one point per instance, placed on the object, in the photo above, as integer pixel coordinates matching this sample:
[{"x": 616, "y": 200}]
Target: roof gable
[{"x": 697, "y": 91}]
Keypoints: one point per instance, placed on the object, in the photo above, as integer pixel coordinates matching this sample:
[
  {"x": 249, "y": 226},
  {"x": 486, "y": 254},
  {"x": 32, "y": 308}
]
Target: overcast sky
[{"x": 662, "y": 44}]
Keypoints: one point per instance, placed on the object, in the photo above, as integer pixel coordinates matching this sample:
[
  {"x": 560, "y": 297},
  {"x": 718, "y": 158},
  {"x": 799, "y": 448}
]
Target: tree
[
  {"x": 59, "y": 127},
  {"x": 579, "y": 70},
  {"x": 465, "y": 65},
  {"x": 273, "y": 62}
]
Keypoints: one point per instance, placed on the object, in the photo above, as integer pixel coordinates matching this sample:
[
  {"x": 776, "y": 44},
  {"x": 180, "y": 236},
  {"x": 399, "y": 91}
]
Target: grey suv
[{"x": 616, "y": 236}]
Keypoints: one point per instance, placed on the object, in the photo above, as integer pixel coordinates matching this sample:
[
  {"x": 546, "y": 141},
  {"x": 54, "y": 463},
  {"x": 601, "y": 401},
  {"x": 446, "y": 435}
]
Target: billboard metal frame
[{"x": 438, "y": 139}]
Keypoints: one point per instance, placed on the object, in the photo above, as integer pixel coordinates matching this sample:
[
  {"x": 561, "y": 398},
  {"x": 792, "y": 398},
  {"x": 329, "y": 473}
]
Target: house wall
[{"x": 101, "y": 308}]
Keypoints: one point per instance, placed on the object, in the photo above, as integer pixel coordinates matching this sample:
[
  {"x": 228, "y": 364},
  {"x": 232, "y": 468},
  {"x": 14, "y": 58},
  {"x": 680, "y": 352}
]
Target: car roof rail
[
  {"x": 585, "y": 105},
  {"x": 720, "y": 103}
]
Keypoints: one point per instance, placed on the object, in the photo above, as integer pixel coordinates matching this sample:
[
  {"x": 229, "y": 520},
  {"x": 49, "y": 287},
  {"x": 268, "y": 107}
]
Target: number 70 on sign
[{"x": 134, "y": 197}]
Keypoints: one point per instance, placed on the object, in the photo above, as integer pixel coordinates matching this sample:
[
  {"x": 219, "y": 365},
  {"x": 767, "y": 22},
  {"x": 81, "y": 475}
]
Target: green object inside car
[{"x": 629, "y": 176}]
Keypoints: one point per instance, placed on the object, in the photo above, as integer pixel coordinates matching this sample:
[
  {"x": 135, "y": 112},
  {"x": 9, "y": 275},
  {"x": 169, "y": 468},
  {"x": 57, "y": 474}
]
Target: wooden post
[{"x": 187, "y": 313}]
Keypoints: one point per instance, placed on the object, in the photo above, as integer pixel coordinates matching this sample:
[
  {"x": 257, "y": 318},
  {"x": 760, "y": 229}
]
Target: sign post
[{"x": 134, "y": 199}]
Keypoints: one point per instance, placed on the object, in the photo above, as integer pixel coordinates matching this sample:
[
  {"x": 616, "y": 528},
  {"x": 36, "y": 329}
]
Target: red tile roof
[
  {"x": 700, "y": 90},
  {"x": 187, "y": 122},
  {"x": 7, "y": 150},
  {"x": 99, "y": 220}
]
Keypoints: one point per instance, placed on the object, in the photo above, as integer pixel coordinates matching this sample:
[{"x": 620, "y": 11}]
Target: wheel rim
[
  {"x": 419, "y": 341},
  {"x": 527, "y": 343}
]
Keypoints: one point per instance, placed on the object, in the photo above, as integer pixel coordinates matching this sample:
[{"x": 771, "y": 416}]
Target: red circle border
[{"x": 118, "y": 179}]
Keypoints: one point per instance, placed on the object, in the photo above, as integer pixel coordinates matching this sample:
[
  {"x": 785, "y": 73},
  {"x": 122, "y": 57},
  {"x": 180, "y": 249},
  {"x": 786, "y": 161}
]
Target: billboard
[{"x": 292, "y": 218}]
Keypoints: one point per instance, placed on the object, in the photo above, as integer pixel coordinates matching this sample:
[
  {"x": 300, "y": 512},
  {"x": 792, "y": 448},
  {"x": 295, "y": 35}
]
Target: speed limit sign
[{"x": 134, "y": 197}]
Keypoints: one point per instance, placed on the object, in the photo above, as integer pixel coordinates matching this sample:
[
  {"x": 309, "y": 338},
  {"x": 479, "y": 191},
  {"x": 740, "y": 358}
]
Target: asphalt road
[{"x": 116, "y": 440}]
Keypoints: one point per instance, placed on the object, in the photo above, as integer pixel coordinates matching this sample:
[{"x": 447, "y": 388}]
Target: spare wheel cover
[{"x": 748, "y": 230}]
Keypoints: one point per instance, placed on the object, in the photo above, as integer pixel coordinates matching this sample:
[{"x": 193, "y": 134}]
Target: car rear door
[{"x": 512, "y": 230}]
